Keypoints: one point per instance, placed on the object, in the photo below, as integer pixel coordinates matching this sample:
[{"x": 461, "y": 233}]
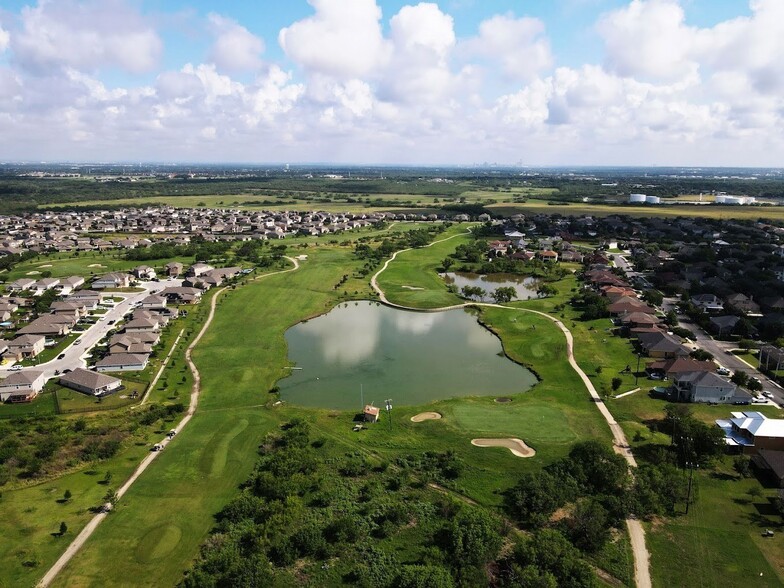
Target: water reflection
[
  {"x": 524, "y": 286},
  {"x": 411, "y": 357}
]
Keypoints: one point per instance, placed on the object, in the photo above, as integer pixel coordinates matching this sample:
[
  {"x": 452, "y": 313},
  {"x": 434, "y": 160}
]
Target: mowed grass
[
  {"x": 67, "y": 264},
  {"x": 411, "y": 279},
  {"x": 719, "y": 543},
  {"x": 240, "y": 358}
]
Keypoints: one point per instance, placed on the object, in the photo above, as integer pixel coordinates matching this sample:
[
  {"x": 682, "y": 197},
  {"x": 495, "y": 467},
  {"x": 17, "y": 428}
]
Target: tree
[
  {"x": 504, "y": 294},
  {"x": 546, "y": 290},
  {"x": 588, "y": 526},
  {"x": 63, "y": 528},
  {"x": 472, "y": 292},
  {"x": 616, "y": 383},
  {"x": 67, "y": 495},
  {"x": 111, "y": 498},
  {"x": 473, "y": 538},
  {"x": 534, "y": 498},
  {"x": 740, "y": 378},
  {"x": 107, "y": 478},
  {"x": 701, "y": 355},
  {"x": 447, "y": 263},
  {"x": 754, "y": 385}
]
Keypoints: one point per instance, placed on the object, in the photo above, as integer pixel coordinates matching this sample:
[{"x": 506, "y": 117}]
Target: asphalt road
[
  {"x": 74, "y": 354},
  {"x": 719, "y": 349}
]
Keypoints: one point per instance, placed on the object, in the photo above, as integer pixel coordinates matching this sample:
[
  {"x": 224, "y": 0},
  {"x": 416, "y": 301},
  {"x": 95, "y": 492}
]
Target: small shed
[{"x": 371, "y": 413}]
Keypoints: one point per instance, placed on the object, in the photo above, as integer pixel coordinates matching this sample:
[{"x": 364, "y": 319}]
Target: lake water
[
  {"x": 524, "y": 286},
  {"x": 410, "y": 357}
]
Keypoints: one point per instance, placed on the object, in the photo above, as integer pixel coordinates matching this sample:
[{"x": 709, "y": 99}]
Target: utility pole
[
  {"x": 691, "y": 465},
  {"x": 637, "y": 371}
]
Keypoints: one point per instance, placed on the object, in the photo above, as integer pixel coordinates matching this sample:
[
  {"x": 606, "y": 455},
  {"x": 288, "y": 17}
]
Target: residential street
[
  {"x": 74, "y": 353},
  {"x": 719, "y": 349}
]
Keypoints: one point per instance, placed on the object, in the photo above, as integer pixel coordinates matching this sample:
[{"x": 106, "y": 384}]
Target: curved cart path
[
  {"x": 642, "y": 576},
  {"x": 88, "y": 530}
]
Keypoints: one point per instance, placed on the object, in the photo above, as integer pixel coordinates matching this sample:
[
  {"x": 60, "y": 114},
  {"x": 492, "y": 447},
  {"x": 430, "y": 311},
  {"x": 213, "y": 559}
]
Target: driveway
[{"x": 75, "y": 352}]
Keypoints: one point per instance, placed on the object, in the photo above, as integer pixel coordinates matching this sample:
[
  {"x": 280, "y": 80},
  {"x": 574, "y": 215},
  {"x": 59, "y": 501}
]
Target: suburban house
[
  {"x": 153, "y": 301},
  {"x": 69, "y": 307},
  {"x": 144, "y": 272},
  {"x": 703, "y": 387},
  {"x": 547, "y": 255},
  {"x": 772, "y": 462},
  {"x": 673, "y": 367},
  {"x": 197, "y": 269},
  {"x": 173, "y": 269},
  {"x": 139, "y": 325},
  {"x": 151, "y": 338},
  {"x": 743, "y": 303},
  {"x": 708, "y": 302},
  {"x": 128, "y": 344},
  {"x": 90, "y": 382},
  {"x": 662, "y": 345},
  {"x": 26, "y": 346},
  {"x": 21, "y": 284},
  {"x": 753, "y": 431},
  {"x": 112, "y": 280},
  {"x": 21, "y": 386},
  {"x": 68, "y": 285},
  {"x": 638, "y": 319},
  {"x": 44, "y": 284},
  {"x": 182, "y": 295},
  {"x": 122, "y": 362},
  {"x": 47, "y": 325},
  {"x": 627, "y": 304},
  {"x": 723, "y": 325}
]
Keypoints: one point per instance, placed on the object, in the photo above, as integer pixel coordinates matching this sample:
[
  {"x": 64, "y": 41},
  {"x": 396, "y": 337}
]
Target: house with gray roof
[{"x": 90, "y": 382}]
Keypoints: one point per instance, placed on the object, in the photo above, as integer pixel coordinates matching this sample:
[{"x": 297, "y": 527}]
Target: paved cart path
[
  {"x": 642, "y": 576},
  {"x": 88, "y": 530}
]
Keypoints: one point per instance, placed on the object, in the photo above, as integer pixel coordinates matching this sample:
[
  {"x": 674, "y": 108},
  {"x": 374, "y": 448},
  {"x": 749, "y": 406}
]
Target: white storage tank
[
  {"x": 652, "y": 200},
  {"x": 637, "y": 198},
  {"x": 723, "y": 199}
]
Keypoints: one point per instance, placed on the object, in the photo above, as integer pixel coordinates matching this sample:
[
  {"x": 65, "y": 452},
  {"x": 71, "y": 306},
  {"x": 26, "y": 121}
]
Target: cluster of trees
[
  {"x": 591, "y": 305},
  {"x": 198, "y": 249},
  {"x": 396, "y": 242},
  {"x": 311, "y": 514},
  {"x": 36, "y": 446},
  {"x": 500, "y": 295}
]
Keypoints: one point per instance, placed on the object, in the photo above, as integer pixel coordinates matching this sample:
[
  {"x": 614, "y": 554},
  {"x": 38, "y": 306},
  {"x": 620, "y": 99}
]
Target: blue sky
[{"x": 695, "y": 82}]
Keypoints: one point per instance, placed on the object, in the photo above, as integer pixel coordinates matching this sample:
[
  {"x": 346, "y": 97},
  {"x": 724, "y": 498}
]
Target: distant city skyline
[{"x": 455, "y": 82}]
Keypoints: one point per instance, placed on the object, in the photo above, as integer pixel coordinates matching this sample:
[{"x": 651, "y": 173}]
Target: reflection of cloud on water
[
  {"x": 416, "y": 323},
  {"x": 345, "y": 338},
  {"x": 481, "y": 339}
]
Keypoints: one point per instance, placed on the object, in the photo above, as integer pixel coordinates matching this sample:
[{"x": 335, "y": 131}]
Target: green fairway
[
  {"x": 411, "y": 280},
  {"x": 533, "y": 422}
]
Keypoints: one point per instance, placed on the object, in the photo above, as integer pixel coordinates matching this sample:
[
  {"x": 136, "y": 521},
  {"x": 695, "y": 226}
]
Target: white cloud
[
  {"x": 648, "y": 39},
  {"x": 5, "y": 39},
  {"x": 343, "y": 38},
  {"x": 423, "y": 29},
  {"x": 518, "y": 45},
  {"x": 74, "y": 34},
  {"x": 235, "y": 48}
]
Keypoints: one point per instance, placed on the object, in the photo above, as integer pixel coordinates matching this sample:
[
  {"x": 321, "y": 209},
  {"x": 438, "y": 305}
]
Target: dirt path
[
  {"x": 88, "y": 530},
  {"x": 642, "y": 576},
  {"x": 160, "y": 371}
]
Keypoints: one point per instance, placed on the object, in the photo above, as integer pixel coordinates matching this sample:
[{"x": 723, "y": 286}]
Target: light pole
[{"x": 389, "y": 412}]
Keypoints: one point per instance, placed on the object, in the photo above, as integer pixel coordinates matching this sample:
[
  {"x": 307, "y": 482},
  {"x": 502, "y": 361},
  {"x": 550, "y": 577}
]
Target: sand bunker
[
  {"x": 425, "y": 416},
  {"x": 516, "y": 446},
  {"x": 45, "y": 265},
  {"x": 96, "y": 265},
  {"x": 33, "y": 273},
  {"x": 411, "y": 288}
]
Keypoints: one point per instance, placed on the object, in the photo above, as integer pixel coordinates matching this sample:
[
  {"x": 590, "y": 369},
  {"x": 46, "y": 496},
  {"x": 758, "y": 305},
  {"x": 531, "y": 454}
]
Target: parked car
[
  {"x": 768, "y": 394},
  {"x": 15, "y": 368},
  {"x": 62, "y": 355},
  {"x": 759, "y": 400},
  {"x": 722, "y": 371},
  {"x": 78, "y": 342},
  {"x": 111, "y": 322}
]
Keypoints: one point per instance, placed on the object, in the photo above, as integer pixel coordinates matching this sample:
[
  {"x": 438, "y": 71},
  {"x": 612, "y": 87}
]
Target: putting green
[
  {"x": 158, "y": 542},
  {"x": 534, "y": 421}
]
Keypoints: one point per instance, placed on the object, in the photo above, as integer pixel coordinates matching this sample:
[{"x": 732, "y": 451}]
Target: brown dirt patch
[
  {"x": 503, "y": 400},
  {"x": 516, "y": 446},
  {"x": 425, "y": 416}
]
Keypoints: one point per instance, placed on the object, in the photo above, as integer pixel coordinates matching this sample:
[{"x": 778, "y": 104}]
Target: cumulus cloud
[
  {"x": 74, "y": 34},
  {"x": 649, "y": 39},
  {"x": 343, "y": 38},
  {"x": 235, "y": 48},
  {"x": 519, "y": 45}
]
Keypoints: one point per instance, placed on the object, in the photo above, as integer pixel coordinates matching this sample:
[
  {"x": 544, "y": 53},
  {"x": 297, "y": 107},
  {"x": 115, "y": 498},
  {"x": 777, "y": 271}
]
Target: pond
[
  {"x": 524, "y": 286},
  {"x": 364, "y": 350}
]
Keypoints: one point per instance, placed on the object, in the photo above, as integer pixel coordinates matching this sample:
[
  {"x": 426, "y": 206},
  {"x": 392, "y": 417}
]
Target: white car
[
  {"x": 722, "y": 371},
  {"x": 766, "y": 394},
  {"x": 15, "y": 368}
]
